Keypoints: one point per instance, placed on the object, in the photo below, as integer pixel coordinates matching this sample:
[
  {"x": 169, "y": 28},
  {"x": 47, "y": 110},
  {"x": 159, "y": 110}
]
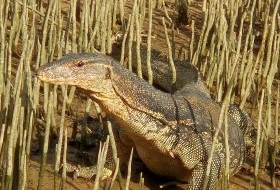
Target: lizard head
[{"x": 88, "y": 71}]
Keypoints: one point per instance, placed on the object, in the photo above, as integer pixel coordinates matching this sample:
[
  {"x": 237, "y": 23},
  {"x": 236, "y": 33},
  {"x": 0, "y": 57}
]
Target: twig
[{"x": 170, "y": 56}]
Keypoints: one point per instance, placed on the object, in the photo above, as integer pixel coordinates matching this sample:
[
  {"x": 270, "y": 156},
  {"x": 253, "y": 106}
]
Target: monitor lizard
[{"x": 172, "y": 133}]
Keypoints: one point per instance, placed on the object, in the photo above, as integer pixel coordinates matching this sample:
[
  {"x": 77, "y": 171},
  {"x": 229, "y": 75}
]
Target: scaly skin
[
  {"x": 186, "y": 73},
  {"x": 188, "y": 77},
  {"x": 172, "y": 133}
]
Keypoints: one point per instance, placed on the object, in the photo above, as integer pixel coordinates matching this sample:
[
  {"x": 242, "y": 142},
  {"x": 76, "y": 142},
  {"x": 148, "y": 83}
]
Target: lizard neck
[{"x": 134, "y": 103}]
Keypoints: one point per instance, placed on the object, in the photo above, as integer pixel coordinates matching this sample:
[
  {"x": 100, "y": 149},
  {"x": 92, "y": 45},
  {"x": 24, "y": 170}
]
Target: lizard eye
[{"x": 80, "y": 64}]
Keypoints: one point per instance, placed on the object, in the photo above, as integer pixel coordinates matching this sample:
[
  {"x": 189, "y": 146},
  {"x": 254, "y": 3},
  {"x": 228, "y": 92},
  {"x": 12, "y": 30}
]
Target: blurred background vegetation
[{"x": 235, "y": 45}]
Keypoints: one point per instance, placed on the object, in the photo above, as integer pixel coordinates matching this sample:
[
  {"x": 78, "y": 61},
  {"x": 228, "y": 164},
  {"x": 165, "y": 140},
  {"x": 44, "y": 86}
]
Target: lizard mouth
[{"x": 49, "y": 78}]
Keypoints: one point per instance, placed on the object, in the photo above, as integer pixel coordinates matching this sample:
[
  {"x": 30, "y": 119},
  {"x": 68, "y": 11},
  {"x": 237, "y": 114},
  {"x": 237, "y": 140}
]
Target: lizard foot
[
  {"x": 89, "y": 172},
  {"x": 86, "y": 172}
]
